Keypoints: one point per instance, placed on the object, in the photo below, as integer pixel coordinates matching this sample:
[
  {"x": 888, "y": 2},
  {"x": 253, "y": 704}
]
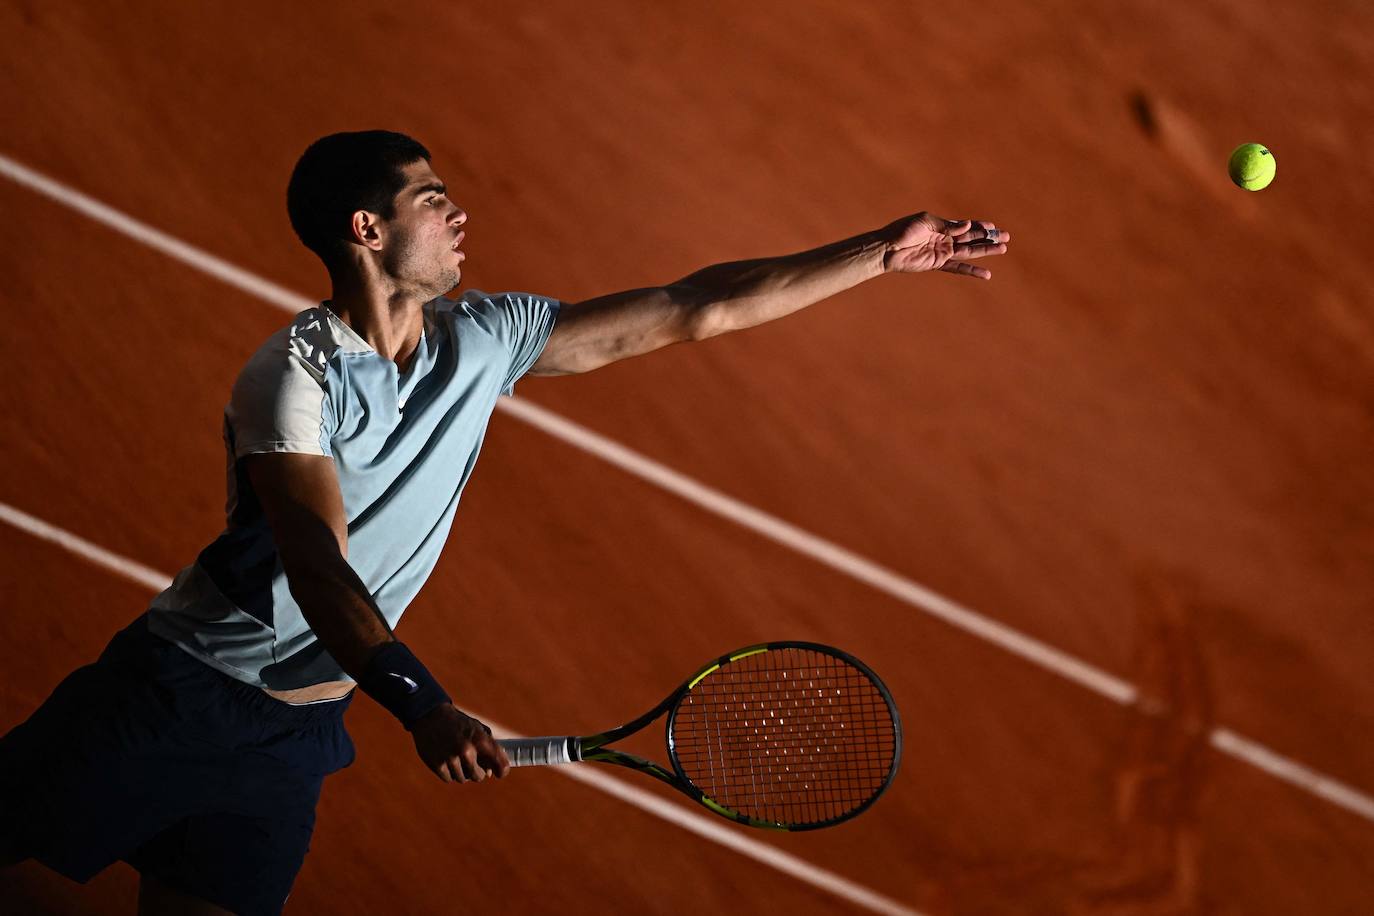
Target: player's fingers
[
  {"x": 983, "y": 229},
  {"x": 967, "y": 270},
  {"x": 456, "y": 772},
  {"x": 977, "y": 250},
  {"x": 471, "y": 768},
  {"x": 493, "y": 756},
  {"x": 495, "y": 763}
]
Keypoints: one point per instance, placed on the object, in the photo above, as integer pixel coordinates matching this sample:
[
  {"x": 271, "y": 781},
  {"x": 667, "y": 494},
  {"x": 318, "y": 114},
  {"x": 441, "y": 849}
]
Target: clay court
[{"x": 1104, "y": 524}]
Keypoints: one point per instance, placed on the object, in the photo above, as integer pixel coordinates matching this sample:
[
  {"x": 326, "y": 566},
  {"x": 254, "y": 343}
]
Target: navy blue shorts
[{"x": 151, "y": 756}]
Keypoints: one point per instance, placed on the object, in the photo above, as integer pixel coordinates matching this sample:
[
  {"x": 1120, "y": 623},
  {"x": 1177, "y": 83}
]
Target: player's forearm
[
  {"x": 724, "y": 297},
  {"x": 742, "y": 294},
  {"x": 346, "y": 620},
  {"x": 340, "y": 611}
]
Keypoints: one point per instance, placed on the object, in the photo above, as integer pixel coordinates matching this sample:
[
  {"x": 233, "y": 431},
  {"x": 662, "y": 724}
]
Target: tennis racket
[{"x": 784, "y": 735}]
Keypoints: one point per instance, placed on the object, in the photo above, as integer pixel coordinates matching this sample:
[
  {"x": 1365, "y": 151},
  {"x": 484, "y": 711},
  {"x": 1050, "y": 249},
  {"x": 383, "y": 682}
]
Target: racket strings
[{"x": 789, "y": 735}]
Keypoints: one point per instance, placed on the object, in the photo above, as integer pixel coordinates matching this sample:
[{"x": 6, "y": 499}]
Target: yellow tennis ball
[{"x": 1252, "y": 167}]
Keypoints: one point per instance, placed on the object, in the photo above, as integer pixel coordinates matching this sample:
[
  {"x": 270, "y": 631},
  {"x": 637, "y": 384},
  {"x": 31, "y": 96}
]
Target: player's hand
[
  {"x": 456, "y": 747},
  {"x": 927, "y": 242}
]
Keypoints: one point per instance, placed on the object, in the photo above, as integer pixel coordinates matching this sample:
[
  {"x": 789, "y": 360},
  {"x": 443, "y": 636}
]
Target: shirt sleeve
[
  {"x": 523, "y": 323},
  {"x": 280, "y": 403}
]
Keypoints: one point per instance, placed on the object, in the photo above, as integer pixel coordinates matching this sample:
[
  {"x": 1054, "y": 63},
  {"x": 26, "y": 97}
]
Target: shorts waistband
[
  {"x": 267, "y": 708},
  {"x": 274, "y": 710}
]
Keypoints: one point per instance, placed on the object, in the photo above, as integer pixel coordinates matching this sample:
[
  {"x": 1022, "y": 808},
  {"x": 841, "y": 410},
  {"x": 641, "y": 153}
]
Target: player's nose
[{"x": 458, "y": 217}]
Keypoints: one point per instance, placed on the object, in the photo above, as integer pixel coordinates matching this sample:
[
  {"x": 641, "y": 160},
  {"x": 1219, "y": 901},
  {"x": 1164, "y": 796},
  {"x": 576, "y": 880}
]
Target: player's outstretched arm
[
  {"x": 300, "y": 496},
  {"x": 743, "y": 294}
]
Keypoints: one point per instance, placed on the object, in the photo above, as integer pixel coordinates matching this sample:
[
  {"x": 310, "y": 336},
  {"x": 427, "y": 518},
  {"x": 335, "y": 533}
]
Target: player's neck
[{"x": 389, "y": 320}]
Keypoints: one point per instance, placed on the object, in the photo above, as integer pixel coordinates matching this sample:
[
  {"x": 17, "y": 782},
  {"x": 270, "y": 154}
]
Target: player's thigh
[
  {"x": 246, "y": 864},
  {"x": 10, "y": 857},
  {"x": 158, "y": 899}
]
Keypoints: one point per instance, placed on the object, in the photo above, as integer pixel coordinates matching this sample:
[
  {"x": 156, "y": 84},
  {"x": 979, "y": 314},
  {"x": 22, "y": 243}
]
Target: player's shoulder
[
  {"x": 466, "y": 304},
  {"x": 488, "y": 311},
  {"x": 313, "y": 338},
  {"x": 473, "y": 309}
]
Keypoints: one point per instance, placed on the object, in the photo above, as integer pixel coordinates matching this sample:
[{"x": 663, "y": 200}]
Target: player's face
[{"x": 421, "y": 252}]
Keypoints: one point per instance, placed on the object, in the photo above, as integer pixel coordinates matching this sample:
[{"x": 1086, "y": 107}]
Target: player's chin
[{"x": 447, "y": 279}]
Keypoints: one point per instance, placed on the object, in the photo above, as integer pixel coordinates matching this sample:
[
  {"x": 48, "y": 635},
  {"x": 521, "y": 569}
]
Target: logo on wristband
[{"x": 411, "y": 686}]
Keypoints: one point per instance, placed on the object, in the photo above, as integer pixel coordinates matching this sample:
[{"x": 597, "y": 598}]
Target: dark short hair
[{"x": 340, "y": 174}]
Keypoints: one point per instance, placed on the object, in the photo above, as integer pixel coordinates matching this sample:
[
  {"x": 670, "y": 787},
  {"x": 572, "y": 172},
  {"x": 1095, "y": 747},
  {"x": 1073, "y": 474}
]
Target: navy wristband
[{"x": 395, "y": 678}]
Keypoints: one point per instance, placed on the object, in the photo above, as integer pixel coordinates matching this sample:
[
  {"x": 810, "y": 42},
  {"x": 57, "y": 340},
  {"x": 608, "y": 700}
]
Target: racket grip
[{"x": 538, "y": 752}]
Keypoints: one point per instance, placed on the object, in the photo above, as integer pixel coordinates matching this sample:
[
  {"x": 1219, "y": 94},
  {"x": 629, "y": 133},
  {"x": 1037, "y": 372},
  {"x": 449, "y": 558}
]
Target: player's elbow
[
  {"x": 702, "y": 323},
  {"x": 315, "y": 577},
  {"x": 702, "y": 318},
  {"x": 310, "y": 559}
]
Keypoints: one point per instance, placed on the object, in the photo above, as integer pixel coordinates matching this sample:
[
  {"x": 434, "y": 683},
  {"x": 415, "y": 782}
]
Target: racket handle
[{"x": 538, "y": 752}]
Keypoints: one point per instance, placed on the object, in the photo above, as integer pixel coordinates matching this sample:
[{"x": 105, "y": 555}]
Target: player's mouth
[{"x": 456, "y": 250}]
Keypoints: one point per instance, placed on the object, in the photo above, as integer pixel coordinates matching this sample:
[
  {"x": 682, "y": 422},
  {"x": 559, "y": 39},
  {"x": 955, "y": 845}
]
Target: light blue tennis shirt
[{"x": 404, "y": 445}]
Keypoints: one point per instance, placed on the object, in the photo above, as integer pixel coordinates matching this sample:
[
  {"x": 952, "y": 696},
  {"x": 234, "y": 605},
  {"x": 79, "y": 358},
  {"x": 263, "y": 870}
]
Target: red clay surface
[{"x": 1146, "y": 441}]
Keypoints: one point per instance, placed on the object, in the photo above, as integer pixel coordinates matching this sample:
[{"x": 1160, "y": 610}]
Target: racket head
[{"x": 785, "y": 735}]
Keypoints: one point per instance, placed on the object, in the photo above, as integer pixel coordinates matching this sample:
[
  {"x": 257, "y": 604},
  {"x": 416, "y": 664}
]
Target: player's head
[{"x": 372, "y": 196}]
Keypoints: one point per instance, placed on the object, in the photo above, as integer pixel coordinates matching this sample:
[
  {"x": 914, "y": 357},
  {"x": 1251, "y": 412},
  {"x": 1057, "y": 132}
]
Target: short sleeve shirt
[{"x": 403, "y": 443}]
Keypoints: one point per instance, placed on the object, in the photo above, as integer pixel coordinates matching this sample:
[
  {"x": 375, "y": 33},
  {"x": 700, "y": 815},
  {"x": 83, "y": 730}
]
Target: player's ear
[{"x": 367, "y": 229}]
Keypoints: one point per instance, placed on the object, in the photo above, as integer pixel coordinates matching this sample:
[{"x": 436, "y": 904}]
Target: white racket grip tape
[{"x": 538, "y": 752}]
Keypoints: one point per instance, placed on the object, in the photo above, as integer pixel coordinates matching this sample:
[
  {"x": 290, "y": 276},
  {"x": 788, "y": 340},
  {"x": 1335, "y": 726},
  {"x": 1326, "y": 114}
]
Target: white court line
[
  {"x": 155, "y": 239},
  {"x": 732, "y": 838},
  {"x": 768, "y": 526},
  {"x": 1319, "y": 784},
  {"x": 136, "y": 572},
  {"x": 824, "y": 552}
]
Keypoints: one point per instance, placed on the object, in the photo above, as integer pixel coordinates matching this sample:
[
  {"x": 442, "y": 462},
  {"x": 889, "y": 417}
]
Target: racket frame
[{"x": 593, "y": 747}]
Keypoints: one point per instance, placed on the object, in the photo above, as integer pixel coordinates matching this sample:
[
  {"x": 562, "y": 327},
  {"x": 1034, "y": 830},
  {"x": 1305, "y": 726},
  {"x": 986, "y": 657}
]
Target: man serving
[{"x": 196, "y": 747}]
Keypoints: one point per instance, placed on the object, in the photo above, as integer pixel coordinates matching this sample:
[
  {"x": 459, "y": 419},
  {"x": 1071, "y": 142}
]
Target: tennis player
[{"x": 196, "y": 746}]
